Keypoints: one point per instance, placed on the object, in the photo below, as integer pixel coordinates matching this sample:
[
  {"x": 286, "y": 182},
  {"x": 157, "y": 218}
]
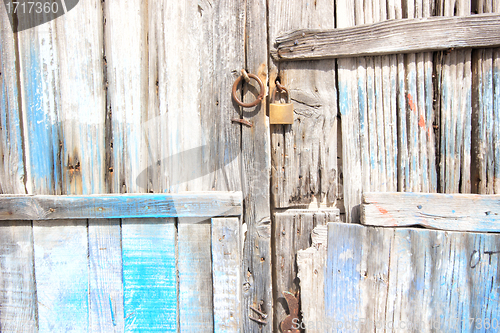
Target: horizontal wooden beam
[
  {"x": 391, "y": 37},
  {"x": 459, "y": 212},
  {"x": 192, "y": 204}
]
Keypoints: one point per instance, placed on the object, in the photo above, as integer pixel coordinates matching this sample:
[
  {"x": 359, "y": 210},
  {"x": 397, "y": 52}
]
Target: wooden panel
[
  {"x": 390, "y": 37},
  {"x": 120, "y": 206},
  {"x": 411, "y": 279},
  {"x": 11, "y": 147},
  {"x": 105, "y": 275},
  {"x": 62, "y": 277},
  {"x": 462, "y": 212},
  {"x": 304, "y": 155},
  {"x": 17, "y": 293},
  {"x": 311, "y": 265},
  {"x": 350, "y": 118},
  {"x": 256, "y": 168},
  {"x": 292, "y": 233},
  {"x": 195, "y": 277},
  {"x": 226, "y": 274},
  {"x": 149, "y": 275}
]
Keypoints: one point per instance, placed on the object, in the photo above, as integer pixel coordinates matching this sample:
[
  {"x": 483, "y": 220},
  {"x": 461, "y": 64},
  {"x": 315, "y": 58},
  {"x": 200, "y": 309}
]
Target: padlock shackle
[{"x": 281, "y": 88}]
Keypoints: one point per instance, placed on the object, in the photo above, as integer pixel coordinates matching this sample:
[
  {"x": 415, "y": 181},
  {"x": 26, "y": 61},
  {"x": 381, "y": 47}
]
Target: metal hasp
[{"x": 288, "y": 325}]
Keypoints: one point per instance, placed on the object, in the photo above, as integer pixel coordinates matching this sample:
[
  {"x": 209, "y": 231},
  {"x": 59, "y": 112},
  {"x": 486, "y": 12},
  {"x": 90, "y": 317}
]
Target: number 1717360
[{"x": 28, "y": 7}]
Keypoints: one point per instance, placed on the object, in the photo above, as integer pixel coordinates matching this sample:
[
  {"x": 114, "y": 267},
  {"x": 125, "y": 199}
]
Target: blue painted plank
[
  {"x": 61, "y": 271},
  {"x": 192, "y": 204},
  {"x": 105, "y": 275},
  {"x": 411, "y": 280},
  {"x": 149, "y": 275}
]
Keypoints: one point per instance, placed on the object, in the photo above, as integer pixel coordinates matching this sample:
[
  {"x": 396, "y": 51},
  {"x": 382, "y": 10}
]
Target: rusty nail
[
  {"x": 260, "y": 313},
  {"x": 242, "y": 121},
  {"x": 260, "y": 321}
]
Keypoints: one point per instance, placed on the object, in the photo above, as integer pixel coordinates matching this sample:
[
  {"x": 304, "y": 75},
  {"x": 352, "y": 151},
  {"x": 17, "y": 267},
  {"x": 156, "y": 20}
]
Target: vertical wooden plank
[
  {"x": 256, "y": 173},
  {"x": 309, "y": 144},
  {"x": 292, "y": 233},
  {"x": 195, "y": 277},
  {"x": 349, "y": 119},
  {"x": 311, "y": 265},
  {"x": 226, "y": 274},
  {"x": 105, "y": 275},
  {"x": 17, "y": 293},
  {"x": 126, "y": 79},
  {"x": 61, "y": 272},
  {"x": 149, "y": 256},
  {"x": 11, "y": 145}
]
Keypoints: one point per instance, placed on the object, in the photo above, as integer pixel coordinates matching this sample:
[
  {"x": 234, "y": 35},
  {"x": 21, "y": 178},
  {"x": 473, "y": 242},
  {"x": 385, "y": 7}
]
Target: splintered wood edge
[
  {"x": 185, "y": 205},
  {"x": 454, "y": 212}
]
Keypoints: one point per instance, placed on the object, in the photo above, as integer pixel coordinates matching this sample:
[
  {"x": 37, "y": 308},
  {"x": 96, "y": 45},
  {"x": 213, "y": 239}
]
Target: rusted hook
[{"x": 260, "y": 97}]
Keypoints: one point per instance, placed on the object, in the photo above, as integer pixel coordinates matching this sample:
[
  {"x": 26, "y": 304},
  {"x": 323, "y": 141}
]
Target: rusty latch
[{"x": 288, "y": 325}]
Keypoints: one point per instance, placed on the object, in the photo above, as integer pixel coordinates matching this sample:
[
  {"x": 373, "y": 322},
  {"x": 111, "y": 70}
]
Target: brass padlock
[{"x": 280, "y": 113}]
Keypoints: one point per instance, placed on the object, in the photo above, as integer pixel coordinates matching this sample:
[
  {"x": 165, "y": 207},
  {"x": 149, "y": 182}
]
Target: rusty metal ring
[{"x": 259, "y": 98}]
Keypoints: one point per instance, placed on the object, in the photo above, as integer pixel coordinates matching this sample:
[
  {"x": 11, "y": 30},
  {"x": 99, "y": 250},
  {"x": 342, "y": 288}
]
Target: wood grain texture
[
  {"x": 304, "y": 155},
  {"x": 256, "y": 173},
  {"x": 105, "y": 276},
  {"x": 226, "y": 275},
  {"x": 391, "y": 37},
  {"x": 62, "y": 275},
  {"x": 350, "y": 118},
  {"x": 11, "y": 144},
  {"x": 17, "y": 292},
  {"x": 484, "y": 111},
  {"x": 461, "y": 212},
  {"x": 292, "y": 233},
  {"x": 388, "y": 279},
  {"x": 311, "y": 264},
  {"x": 195, "y": 277},
  {"x": 40, "y": 207},
  {"x": 149, "y": 256}
]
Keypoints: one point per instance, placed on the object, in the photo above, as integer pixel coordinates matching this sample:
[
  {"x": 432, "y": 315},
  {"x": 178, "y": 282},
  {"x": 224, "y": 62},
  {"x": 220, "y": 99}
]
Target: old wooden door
[{"x": 135, "y": 97}]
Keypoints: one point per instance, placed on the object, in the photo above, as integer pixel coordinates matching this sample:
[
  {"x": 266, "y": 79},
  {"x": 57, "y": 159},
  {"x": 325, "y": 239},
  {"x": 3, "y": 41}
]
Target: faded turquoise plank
[
  {"x": 105, "y": 274},
  {"x": 404, "y": 279},
  {"x": 342, "y": 282},
  {"x": 61, "y": 272},
  {"x": 149, "y": 275}
]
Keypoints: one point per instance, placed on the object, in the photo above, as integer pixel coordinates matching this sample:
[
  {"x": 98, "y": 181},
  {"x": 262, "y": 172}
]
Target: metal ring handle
[{"x": 259, "y": 98}]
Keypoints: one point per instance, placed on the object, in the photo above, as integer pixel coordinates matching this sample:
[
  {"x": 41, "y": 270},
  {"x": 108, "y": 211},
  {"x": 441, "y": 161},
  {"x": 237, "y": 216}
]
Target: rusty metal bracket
[{"x": 287, "y": 325}]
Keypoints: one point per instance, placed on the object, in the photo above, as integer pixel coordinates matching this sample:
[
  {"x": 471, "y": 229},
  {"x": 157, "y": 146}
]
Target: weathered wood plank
[
  {"x": 195, "y": 277},
  {"x": 17, "y": 293},
  {"x": 292, "y": 233},
  {"x": 461, "y": 212},
  {"x": 62, "y": 275},
  {"x": 410, "y": 279},
  {"x": 311, "y": 265},
  {"x": 11, "y": 144},
  {"x": 350, "y": 118},
  {"x": 390, "y": 37},
  {"x": 300, "y": 150},
  {"x": 149, "y": 256},
  {"x": 226, "y": 275},
  {"x": 256, "y": 169},
  {"x": 41, "y": 207},
  {"x": 105, "y": 275}
]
